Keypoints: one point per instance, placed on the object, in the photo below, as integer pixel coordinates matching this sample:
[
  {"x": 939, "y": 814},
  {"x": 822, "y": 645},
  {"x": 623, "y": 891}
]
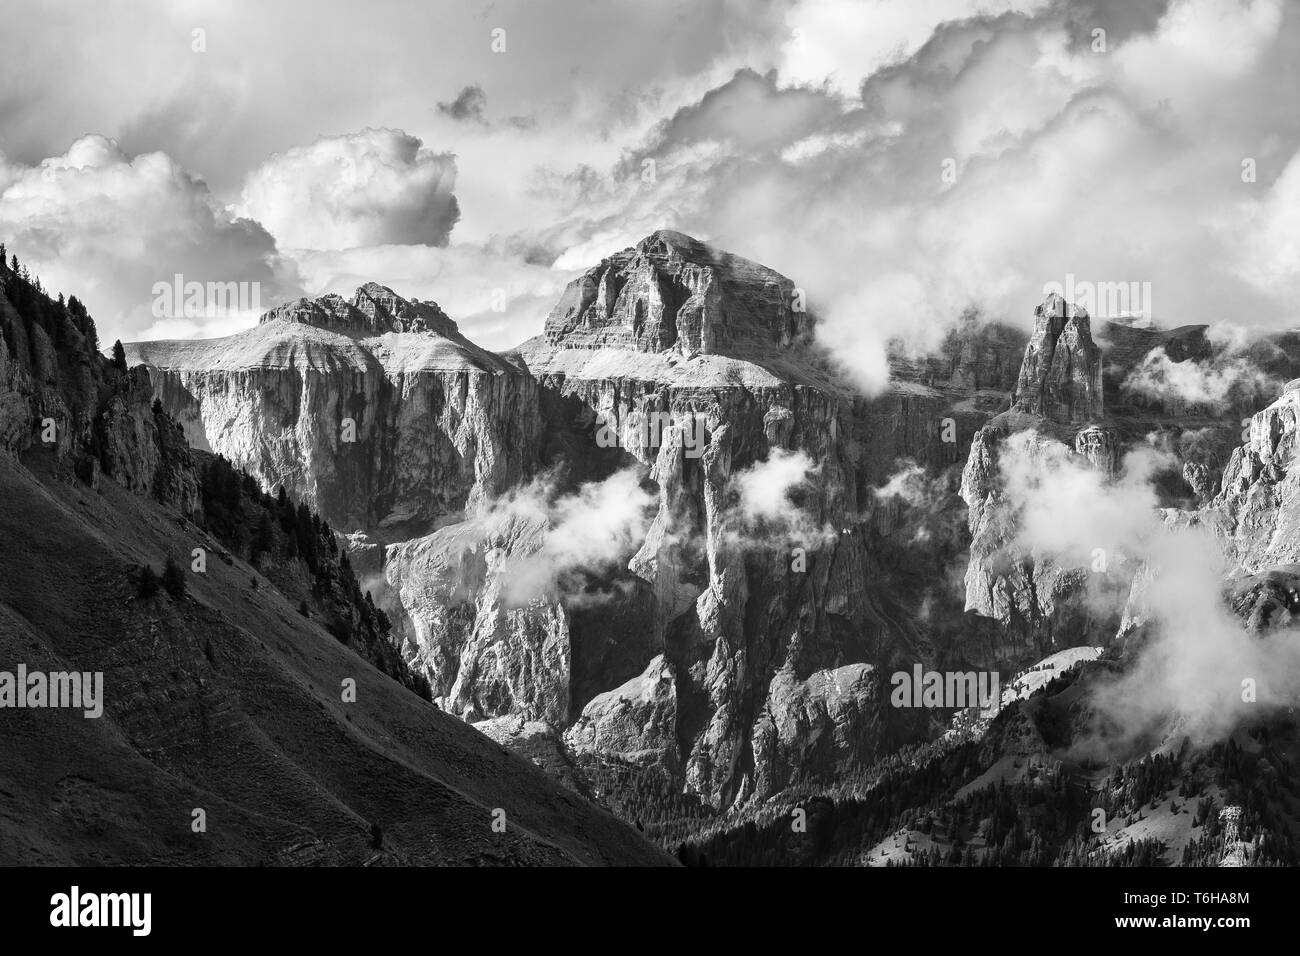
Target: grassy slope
[{"x": 229, "y": 700}]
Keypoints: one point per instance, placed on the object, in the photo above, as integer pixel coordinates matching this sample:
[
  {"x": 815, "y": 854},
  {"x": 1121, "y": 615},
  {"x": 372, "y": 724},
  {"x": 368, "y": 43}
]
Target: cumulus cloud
[
  {"x": 1269, "y": 247},
  {"x": 105, "y": 226},
  {"x": 752, "y": 112},
  {"x": 365, "y": 68},
  {"x": 370, "y": 188},
  {"x": 1188, "y": 675},
  {"x": 841, "y": 42}
]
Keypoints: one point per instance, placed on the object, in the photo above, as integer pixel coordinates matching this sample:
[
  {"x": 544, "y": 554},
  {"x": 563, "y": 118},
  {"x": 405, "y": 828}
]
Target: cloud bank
[{"x": 1188, "y": 674}]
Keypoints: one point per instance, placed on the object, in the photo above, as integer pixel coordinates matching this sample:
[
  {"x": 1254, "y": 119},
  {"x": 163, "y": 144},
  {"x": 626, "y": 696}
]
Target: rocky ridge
[
  {"x": 731, "y": 656},
  {"x": 376, "y": 411}
]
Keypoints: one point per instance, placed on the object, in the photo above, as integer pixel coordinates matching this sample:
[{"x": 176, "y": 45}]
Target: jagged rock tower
[{"x": 1060, "y": 378}]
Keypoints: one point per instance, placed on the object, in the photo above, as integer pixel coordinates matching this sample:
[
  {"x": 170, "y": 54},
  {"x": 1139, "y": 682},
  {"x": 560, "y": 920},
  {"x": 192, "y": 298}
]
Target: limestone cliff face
[
  {"x": 373, "y": 311},
  {"x": 718, "y": 621},
  {"x": 934, "y": 404},
  {"x": 485, "y": 655},
  {"x": 737, "y": 655},
  {"x": 1255, "y": 518},
  {"x": 1100, "y": 446},
  {"x": 376, "y": 411},
  {"x": 820, "y": 721},
  {"x": 639, "y": 717}
]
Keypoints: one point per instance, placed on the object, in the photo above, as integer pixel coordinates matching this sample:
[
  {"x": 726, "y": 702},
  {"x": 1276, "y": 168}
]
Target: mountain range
[{"x": 663, "y": 563}]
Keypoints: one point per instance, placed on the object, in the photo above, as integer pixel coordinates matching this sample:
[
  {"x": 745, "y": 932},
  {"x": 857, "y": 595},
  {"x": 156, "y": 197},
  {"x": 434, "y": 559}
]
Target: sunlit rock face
[
  {"x": 672, "y": 293},
  {"x": 1099, "y": 446},
  {"x": 1257, "y": 510},
  {"x": 1060, "y": 378},
  {"x": 636, "y": 720},
  {"x": 375, "y": 410},
  {"x": 1202, "y": 480}
]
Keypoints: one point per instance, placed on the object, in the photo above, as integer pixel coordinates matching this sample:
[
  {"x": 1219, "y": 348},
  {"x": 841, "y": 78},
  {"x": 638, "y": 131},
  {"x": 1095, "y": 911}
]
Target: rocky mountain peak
[
  {"x": 373, "y": 310},
  {"x": 1060, "y": 378},
  {"x": 672, "y": 292}
]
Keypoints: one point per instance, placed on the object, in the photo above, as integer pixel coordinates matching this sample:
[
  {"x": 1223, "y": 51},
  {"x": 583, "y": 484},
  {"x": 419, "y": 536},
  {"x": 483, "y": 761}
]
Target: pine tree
[
  {"x": 119, "y": 356},
  {"x": 173, "y": 578},
  {"x": 148, "y": 581},
  {"x": 264, "y": 537}
]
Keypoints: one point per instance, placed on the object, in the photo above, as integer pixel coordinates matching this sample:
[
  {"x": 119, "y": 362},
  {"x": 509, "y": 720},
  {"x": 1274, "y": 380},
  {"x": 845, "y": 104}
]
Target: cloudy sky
[{"x": 899, "y": 160}]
